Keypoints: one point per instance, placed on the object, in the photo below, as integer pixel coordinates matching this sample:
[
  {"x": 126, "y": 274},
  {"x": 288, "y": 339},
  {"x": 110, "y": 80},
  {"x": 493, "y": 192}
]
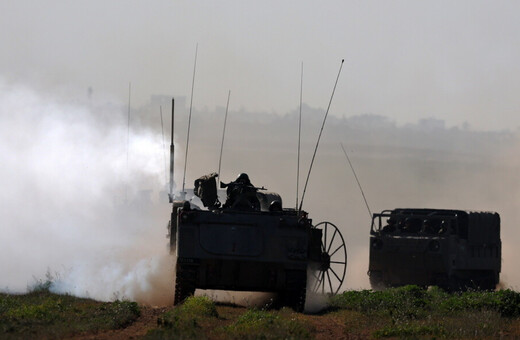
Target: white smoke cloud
[
  {"x": 74, "y": 205},
  {"x": 65, "y": 180}
]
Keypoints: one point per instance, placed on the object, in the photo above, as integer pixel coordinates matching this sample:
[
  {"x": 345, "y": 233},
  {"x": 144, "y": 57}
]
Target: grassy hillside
[
  {"x": 41, "y": 314},
  {"x": 407, "y": 312},
  {"x": 415, "y": 312}
]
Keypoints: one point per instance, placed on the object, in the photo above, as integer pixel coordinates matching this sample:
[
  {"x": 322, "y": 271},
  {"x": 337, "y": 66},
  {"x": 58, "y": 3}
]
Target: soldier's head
[{"x": 243, "y": 178}]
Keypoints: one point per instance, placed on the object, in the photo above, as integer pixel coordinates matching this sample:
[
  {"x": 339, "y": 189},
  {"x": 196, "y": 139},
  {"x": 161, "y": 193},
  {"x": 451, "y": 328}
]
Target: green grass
[
  {"x": 406, "y": 312},
  {"x": 414, "y": 312},
  {"x": 414, "y": 301},
  {"x": 197, "y": 318},
  {"x": 41, "y": 314},
  {"x": 259, "y": 324},
  {"x": 185, "y": 321}
]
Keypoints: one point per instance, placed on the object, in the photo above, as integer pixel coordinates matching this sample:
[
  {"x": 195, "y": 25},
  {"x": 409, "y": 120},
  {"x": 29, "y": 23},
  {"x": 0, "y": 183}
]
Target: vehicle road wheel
[
  {"x": 376, "y": 280},
  {"x": 295, "y": 299},
  {"x": 184, "y": 283},
  {"x": 488, "y": 281}
]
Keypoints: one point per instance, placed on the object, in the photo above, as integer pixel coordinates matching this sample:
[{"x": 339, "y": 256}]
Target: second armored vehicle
[{"x": 453, "y": 249}]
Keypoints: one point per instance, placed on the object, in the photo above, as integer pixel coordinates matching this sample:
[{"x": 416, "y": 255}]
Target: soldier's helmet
[{"x": 243, "y": 178}]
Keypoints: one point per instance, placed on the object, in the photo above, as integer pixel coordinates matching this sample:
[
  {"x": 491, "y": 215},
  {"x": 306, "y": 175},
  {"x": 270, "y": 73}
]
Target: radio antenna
[
  {"x": 189, "y": 122},
  {"x": 172, "y": 154},
  {"x": 223, "y": 134},
  {"x": 299, "y": 139},
  {"x": 128, "y": 138},
  {"x": 357, "y": 180},
  {"x": 163, "y": 145},
  {"x": 319, "y": 136}
]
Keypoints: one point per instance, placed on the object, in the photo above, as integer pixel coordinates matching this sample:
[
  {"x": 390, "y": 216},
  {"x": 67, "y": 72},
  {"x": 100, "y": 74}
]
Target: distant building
[{"x": 430, "y": 124}]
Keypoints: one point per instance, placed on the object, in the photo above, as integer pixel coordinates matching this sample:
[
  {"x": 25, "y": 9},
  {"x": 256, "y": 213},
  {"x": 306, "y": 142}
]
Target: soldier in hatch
[
  {"x": 390, "y": 227},
  {"x": 241, "y": 194}
]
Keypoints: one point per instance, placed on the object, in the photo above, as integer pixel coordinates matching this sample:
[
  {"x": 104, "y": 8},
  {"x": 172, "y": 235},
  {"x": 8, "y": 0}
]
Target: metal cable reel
[{"x": 328, "y": 274}]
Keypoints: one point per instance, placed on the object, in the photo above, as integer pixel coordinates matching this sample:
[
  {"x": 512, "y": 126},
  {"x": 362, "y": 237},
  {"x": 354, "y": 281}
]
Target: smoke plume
[
  {"x": 81, "y": 188},
  {"x": 80, "y": 200}
]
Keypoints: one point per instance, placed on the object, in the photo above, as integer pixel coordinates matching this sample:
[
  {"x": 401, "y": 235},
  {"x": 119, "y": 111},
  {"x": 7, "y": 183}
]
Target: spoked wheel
[{"x": 329, "y": 273}]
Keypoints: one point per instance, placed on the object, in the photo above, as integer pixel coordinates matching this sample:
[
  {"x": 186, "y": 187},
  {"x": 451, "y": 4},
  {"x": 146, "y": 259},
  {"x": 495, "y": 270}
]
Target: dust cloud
[
  {"x": 75, "y": 208},
  {"x": 421, "y": 165}
]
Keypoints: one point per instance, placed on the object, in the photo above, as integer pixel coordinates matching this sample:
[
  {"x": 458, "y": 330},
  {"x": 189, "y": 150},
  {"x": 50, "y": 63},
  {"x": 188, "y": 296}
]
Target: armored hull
[
  {"x": 453, "y": 249},
  {"x": 244, "y": 251}
]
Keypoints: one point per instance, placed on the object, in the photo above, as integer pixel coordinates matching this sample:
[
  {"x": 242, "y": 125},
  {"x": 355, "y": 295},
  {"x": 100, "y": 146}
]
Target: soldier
[
  {"x": 411, "y": 225},
  {"x": 241, "y": 194},
  {"x": 390, "y": 227}
]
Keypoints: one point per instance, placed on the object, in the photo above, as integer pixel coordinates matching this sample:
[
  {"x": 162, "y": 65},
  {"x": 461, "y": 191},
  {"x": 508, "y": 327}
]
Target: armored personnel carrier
[
  {"x": 452, "y": 249},
  {"x": 252, "y": 243}
]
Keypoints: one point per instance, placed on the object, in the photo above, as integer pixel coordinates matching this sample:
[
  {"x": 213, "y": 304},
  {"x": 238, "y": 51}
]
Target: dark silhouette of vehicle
[
  {"x": 452, "y": 249},
  {"x": 252, "y": 244}
]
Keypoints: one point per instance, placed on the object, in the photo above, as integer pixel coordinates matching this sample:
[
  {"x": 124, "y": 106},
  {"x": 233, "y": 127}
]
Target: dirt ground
[
  {"x": 326, "y": 326},
  {"x": 147, "y": 321},
  {"x": 329, "y": 326}
]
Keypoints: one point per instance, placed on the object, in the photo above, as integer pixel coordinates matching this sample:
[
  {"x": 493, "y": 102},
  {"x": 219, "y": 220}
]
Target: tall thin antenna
[
  {"x": 128, "y": 137},
  {"x": 172, "y": 154},
  {"x": 163, "y": 146},
  {"x": 299, "y": 139},
  {"x": 357, "y": 180},
  {"x": 223, "y": 134},
  {"x": 319, "y": 136},
  {"x": 189, "y": 121}
]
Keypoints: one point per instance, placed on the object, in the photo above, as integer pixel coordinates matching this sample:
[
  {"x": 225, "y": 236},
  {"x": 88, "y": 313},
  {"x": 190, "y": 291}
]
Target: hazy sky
[
  {"x": 454, "y": 60},
  {"x": 407, "y": 60}
]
